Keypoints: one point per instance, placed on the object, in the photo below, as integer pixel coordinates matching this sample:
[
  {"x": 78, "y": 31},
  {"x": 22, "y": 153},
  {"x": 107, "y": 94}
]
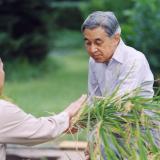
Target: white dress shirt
[
  {"x": 127, "y": 69},
  {"x": 18, "y": 127}
]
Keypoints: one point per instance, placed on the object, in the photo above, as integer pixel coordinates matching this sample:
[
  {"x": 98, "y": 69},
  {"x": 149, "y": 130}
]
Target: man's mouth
[{"x": 97, "y": 57}]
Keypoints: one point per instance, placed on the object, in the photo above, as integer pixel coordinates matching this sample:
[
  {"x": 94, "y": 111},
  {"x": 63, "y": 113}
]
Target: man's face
[
  {"x": 99, "y": 45},
  {"x": 2, "y": 75}
]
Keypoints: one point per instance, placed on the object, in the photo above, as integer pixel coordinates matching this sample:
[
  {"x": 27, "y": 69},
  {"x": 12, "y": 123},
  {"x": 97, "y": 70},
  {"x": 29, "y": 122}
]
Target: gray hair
[{"x": 106, "y": 20}]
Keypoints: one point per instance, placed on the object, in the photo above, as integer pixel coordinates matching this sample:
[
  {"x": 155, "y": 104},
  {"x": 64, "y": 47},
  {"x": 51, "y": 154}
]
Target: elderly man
[
  {"x": 113, "y": 64},
  {"x": 18, "y": 127}
]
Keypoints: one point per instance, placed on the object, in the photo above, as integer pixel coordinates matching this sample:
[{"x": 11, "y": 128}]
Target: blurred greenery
[
  {"x": 67, "y": 39},
  {"x": 28, "y": 27},
  {"x": 118, "y": 7},
  {"x": 50, "y": 89},
  {"x": 145, "y": 21},
  {"x": 24, "y": 29},
  {"x": 63, "y": 15}
]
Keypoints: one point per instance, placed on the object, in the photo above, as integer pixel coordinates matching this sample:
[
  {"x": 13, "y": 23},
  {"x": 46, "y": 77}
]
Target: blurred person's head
[
  {"x": 101, "y": 32},
  {"x": 2, "y": 75}
]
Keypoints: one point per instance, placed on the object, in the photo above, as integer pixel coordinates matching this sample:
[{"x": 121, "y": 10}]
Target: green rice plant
[{"x": 122, "y": 127}]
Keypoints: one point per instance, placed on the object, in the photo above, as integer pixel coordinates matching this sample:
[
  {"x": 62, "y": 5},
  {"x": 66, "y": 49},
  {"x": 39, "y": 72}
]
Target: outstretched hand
[{"x": 73, "y": 109}]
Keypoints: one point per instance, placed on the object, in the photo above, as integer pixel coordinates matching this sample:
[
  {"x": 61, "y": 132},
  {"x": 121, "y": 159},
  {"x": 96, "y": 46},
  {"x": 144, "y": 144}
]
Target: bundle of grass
[{"x": 124, "y": 128}]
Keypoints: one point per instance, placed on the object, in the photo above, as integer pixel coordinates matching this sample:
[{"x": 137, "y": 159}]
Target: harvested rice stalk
[{"x": 125, "y": 126}]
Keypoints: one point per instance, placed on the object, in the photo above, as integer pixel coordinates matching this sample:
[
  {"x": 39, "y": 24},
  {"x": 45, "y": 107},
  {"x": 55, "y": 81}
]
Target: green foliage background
[{"x": 28, "y": 27}]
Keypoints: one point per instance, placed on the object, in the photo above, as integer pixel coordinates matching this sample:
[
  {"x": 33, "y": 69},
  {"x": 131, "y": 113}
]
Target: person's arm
[{"x": 20, "y": 128}]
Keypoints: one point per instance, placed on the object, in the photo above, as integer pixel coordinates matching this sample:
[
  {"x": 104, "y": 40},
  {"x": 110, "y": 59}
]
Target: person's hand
[
  {"x": 72, "y": 110},
  {"x": 72, "y": 130},
  {"x": 74, "y": 107}
]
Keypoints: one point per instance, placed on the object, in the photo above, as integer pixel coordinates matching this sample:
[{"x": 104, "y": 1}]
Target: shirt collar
[{"x": 119, "y": 52}]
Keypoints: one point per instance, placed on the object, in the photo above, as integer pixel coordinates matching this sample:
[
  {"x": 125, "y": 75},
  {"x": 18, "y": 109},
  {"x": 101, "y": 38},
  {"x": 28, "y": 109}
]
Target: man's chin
[{"x": 99, "y": 60}]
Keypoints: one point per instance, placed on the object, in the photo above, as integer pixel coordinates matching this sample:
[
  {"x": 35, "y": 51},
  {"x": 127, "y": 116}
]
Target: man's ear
[{"x": 116, "y": 38}]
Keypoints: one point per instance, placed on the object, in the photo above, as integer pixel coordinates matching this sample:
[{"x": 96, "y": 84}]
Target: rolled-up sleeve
[{"x": 20, "y": 128}]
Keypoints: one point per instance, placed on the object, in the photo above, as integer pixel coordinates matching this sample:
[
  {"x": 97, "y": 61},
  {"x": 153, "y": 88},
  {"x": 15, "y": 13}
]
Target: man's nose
[{"x": 93, "y": 48}]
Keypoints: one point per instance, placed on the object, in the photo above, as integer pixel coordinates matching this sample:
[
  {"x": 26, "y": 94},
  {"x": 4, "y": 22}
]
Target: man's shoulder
[
  {"x": 134, "y": 55},
  {"x": 135, "y": 58}
]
